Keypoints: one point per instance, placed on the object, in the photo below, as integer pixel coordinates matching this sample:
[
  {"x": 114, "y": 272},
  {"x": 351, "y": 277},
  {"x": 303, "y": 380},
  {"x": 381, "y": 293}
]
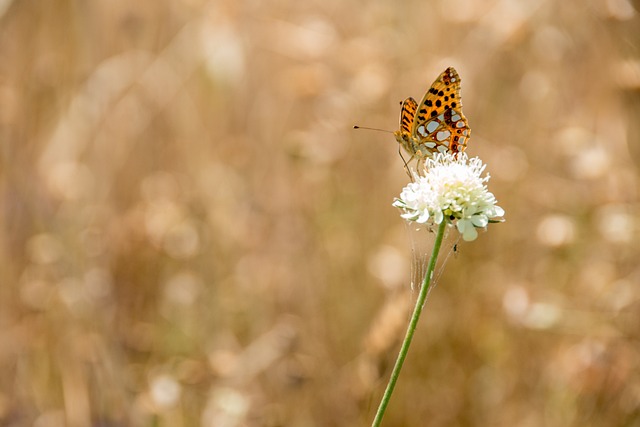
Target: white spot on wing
[
  {"x": 455, "y": 118},
  {"x": 421, "y": 130},
  {"x": 460, "y": 124},
  {"x": 432, "y": 126},
  {"x": 442, "y": 135}
]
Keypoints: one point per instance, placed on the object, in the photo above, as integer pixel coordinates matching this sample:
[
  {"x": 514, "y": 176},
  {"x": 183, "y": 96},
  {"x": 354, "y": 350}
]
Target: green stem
[{"x": 424, "y": 291}]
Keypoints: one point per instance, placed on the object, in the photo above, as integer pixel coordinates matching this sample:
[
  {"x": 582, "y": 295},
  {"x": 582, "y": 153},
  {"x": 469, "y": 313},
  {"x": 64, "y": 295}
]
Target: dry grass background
[{"x": 193, "y": 235}]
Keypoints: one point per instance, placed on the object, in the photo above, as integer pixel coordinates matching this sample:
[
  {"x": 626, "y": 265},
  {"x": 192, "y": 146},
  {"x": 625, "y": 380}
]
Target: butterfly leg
[{"x": 406, "y": 165}]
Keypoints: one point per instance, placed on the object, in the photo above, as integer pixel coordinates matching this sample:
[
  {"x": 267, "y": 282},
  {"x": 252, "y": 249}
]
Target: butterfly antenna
[
  {"x": 406, "y": 165},
  {"x": 376, "y": 129}
]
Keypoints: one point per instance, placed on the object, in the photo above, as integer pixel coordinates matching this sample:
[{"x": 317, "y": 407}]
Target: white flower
[{"x": 452, "y": 189}]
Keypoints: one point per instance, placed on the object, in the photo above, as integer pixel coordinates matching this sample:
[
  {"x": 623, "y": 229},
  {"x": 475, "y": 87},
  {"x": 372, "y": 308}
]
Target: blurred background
[{"x": 192, "y": 234}]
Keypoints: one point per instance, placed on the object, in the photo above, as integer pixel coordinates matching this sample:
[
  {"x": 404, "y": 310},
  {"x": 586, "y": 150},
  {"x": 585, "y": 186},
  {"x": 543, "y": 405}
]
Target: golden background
[{"x": 192, "y": 234}]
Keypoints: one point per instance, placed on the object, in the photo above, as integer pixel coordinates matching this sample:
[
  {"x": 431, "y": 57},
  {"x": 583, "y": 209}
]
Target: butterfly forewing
[
  {"x": 439, "y": 118},
  {"x": 409, "y": 108}
]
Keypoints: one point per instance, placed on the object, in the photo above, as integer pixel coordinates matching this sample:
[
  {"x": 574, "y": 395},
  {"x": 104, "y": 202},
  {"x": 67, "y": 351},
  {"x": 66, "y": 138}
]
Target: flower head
[{"x": 451, "y": 189}]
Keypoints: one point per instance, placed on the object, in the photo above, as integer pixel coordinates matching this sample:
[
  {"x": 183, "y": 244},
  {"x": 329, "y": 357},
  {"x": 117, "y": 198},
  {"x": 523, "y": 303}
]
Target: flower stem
[{"x": 422, "y": 296}]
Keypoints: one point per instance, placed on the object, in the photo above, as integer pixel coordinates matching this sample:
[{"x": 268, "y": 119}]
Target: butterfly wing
[
  {"x": 407, "y": 114},
  {"x": 407, "y": 119},
  {"x": 438, "y": 124}
]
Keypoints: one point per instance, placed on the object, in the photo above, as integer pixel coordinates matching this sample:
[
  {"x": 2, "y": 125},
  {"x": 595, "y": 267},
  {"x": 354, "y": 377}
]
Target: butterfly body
[{"x": 436, "y": 124}]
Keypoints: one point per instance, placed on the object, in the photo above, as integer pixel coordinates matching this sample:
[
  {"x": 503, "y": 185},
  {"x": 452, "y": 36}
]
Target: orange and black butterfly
[{"x": 437, "y": 123}]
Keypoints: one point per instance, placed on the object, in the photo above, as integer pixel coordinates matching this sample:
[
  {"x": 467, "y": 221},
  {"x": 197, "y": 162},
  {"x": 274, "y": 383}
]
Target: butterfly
[{"x": 437, "y": 123}]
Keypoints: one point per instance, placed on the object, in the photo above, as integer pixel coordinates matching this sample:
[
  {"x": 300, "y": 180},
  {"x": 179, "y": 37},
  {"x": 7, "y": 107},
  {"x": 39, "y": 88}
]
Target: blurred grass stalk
[{"x": 404, "y": 349}]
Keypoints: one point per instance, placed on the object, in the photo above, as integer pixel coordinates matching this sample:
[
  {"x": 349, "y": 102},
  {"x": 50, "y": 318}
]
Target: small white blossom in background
[
  {"x": 165, "y": 391},
  {"x": 451, "y": 189}
]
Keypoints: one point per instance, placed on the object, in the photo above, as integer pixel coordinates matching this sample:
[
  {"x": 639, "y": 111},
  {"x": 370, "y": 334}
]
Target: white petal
[
  {"x": 469, "y": 234},
  {"x": 409, "y": 215},
  {"x": 479, "y": 221},
  {"x": 461, "y": 225},
  {"x": 424, "y": 217}
]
